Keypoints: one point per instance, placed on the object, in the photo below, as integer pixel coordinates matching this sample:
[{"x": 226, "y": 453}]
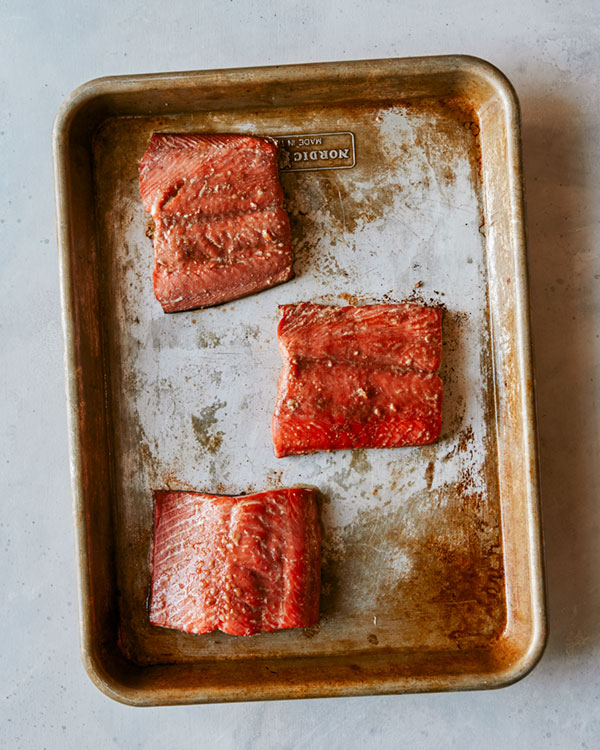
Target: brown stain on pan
[
  {"x": 448, "y": 580},
  {"x": 454, "y": 119},
  {"x": 324, "y": 207},
  {"x": 208, "y": 439}
]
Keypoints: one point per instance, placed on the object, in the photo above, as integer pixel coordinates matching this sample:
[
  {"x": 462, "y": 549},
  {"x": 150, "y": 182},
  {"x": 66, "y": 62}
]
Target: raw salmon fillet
[
  {"x": 220, "y": 229},
  {"x": 357, "y": 377},
  {"x": 242, "y": 565}
]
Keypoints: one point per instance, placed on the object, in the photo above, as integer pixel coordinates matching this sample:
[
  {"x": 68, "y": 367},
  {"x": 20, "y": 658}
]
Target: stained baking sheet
[{"x": 391, "y": 197}]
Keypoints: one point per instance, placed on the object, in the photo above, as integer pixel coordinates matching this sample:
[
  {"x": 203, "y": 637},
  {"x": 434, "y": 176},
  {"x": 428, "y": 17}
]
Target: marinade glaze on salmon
[
  {"x": 242, "y": 565},
  {"x": 220, "y": 229},
  {"x": 357, "y": 377}
]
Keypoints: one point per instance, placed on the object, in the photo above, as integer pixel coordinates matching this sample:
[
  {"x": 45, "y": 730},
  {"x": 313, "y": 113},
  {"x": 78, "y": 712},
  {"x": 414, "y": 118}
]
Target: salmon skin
[
  {"x": 220, "y": 229},
  {"x": 242, "y": 565},
  {"x": 357, "y": 377}
]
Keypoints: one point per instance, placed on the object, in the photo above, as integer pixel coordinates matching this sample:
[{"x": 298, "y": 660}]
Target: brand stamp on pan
[{"x": 312, "y": 151}]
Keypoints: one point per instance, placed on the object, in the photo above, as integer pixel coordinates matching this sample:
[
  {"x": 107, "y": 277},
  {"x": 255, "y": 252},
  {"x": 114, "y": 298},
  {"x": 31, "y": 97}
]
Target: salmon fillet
[
  {"x": 241, "y": 565},
  {"x": 220, "y": 230},
  {"x": 357, "y": 377}
]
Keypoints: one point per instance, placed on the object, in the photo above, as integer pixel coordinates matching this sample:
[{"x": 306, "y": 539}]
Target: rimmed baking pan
[{"x": 402, "y": 180}]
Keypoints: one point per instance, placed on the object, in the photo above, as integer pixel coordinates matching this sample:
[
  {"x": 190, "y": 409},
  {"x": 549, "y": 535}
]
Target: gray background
[{"x": 551, "y": 52}]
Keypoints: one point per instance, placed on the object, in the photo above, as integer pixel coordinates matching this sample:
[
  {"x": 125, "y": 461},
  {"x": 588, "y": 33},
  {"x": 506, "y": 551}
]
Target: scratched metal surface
[{"x": 412, "y": 540}]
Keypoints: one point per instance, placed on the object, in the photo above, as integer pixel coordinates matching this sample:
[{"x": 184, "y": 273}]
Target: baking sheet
[{"x": 414, "y": 557}]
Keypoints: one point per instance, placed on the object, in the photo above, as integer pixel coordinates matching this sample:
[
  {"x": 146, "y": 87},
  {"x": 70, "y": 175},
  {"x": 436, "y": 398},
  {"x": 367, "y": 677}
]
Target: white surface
[{"x": 551, "y": 52}]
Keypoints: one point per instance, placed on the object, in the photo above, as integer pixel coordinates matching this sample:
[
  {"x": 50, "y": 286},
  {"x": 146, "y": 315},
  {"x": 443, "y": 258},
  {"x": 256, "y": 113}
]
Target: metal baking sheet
[{"x": 402, "y": 181}]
